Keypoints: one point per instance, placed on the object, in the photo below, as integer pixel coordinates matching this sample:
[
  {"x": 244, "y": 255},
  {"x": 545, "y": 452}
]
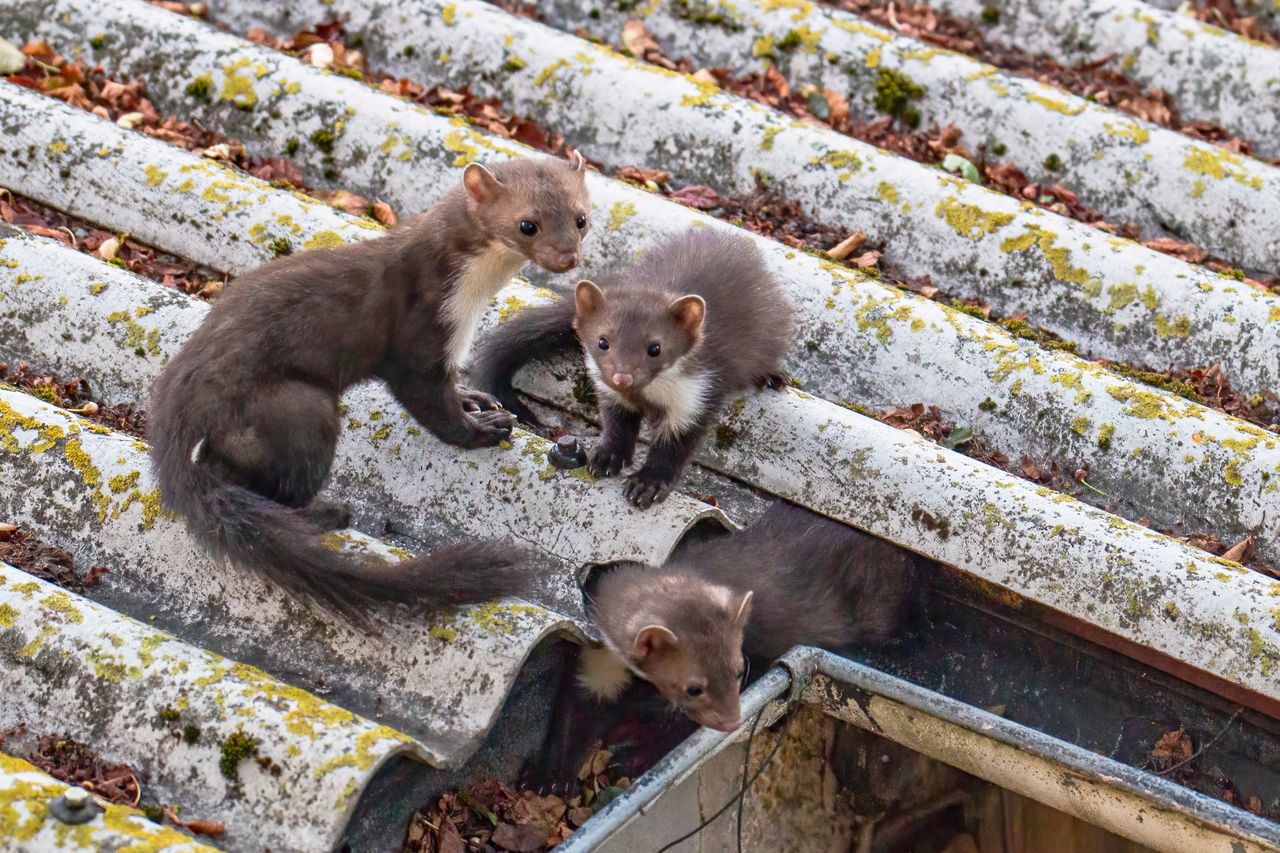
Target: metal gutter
[
  {"x": 1213, "y": 74},
  {"x": 1137, "y": 805},
  {"x": 168, "y": 710},
  {"x": 27, "y": 825}
]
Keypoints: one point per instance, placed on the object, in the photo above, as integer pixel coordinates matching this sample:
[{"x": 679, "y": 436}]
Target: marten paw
[
  {"x": 487, "y": 429},
  {"x": 644, "y": 490},
  {"x": 478, "y": 401},
  {"x": 607, "y": 462},
  {"x": 777, "y": 381}
]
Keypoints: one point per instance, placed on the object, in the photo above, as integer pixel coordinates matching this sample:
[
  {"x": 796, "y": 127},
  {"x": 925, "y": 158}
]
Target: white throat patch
[
  {"x": 680, "y": 398},
  {"x": 477, "y": 283}
]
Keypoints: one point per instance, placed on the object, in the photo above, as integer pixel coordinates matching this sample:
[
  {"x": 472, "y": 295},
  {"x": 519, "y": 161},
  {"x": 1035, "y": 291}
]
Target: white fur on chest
[
  {"x": 603, "y": 673},
  {"x": 477, "y": 283},
  {"x": 679, "y": 398}
]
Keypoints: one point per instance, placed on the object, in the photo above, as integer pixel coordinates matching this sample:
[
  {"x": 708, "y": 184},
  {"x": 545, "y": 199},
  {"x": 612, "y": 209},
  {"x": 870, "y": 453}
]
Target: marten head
[
  {"x": 634, "y": 334},
  {"x": 681, "y": 634},
  {"x": 539, "y": 207}
]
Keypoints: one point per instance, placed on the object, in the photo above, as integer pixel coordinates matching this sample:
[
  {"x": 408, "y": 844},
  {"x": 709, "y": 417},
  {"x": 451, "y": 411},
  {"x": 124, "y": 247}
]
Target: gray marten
[
  {"x": 244, "y": 420},
  {"x": 697, "y": 320},
  {"x": 791, "y": 578}
]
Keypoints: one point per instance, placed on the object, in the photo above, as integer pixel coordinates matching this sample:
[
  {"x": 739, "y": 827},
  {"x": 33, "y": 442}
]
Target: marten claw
[
  {"x": 777, "y": 381},
  {"x": 489, "y": 428},
  {"x": 476, "y": 401},
  {"x": 606, "y": 463},
  {"x": 643, "y": 492}
]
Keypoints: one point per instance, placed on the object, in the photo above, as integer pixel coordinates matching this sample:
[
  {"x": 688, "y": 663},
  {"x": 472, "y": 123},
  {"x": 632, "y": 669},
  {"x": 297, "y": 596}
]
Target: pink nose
[
  {"x": 568, "y": 260},
  {"x": 721, "y": 724},
  {"x": 622, "y": 380}
]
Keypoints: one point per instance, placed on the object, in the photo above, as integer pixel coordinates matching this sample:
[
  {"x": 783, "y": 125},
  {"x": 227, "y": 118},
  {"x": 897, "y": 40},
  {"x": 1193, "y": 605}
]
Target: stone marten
[
  {"x": 791, "y": 578},
  {"x": 244, "y": 419},
  {"x": 697, "y": 320}
]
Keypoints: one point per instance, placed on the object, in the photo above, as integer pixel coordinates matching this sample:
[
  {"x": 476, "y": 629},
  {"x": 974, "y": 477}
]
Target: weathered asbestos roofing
[
  {"x": 141, "y": 690},
  {"x": 27, "y": 826},
  {"x": 439, "y": 685}
]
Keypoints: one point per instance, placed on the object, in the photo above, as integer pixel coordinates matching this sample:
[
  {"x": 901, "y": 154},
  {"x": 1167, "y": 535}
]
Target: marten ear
[
  {"x": 482, "y": 186},
  {"x": 578, "y": 162},
  {"x": 688, "y": 312},
  {"x": 651, "y": 640},
  {"x": 589, "y": 298},
  {"x": 744, "y": 610}
]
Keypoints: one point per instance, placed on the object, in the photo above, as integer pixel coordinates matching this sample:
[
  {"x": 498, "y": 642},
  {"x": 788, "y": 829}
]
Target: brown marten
[
  {"x": 697, "y": 320},
  {"x": 244, "y": 419},
  {"x": 791, "y": 578}
]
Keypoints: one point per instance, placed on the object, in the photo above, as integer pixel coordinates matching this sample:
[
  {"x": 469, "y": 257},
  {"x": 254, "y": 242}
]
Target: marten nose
[
  {"x": 622, "y": 380},
  {"x": 721, "y": 723},
  {"x": 568, "y": 260}
]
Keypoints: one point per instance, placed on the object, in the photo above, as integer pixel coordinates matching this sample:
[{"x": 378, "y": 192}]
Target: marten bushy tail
[
  {"x": 285, "y": 546},
  {"x": 533, "y": 334}
]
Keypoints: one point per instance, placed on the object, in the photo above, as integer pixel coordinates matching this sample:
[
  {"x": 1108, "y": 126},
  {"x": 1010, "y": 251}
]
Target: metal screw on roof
[
  {"x": 567, "y": 453},
  {"x": 74, "y": 806}
]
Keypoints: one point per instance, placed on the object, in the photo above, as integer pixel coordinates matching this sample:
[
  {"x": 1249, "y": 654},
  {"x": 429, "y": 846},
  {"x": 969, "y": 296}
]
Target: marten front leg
[
  {"x": 435, "y": 403},
  {"x": 666, "y": 461},
  {"x": 617, "y": 442}
]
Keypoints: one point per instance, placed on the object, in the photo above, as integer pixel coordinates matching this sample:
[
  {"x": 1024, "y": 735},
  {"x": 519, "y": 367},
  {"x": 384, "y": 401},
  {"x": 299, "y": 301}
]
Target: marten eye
[
  {"x": 655, "y": 350},
  {"x": 582, "y": 222},
  {"x": 528, "y": 228},
  {"x": 693, "y": 690},
  {"x": 604, "y": 344}
]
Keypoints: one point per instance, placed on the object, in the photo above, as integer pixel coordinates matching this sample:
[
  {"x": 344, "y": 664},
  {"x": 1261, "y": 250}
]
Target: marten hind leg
[{"x": 284, "y": 447}]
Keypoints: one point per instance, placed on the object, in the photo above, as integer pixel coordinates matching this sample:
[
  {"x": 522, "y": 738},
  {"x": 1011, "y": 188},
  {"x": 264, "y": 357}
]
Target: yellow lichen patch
[
  {"x": 873, "y": 58},
  {"x": 458, "y": 142},
  {"x": 363, "y": 757},
  {"x": 1122, "y": 295},
  {"x": 1128, "y": 130},
  {"x": 443, "y": 633},
  {"x": 59, "y": 602},
  {"x": 1059, "y": 258},
  {"x": 1080, "y": 426},
  {"x": 766, "y": 142},
  {"x": 496, "y": 618},
  {"x": 1219, "y": 163},
  {"x": 852, "y": 25},
  {"x": 969, "y": 220},
  {"x": 1167, "y": 327},
  {"x": 886, "y": 191},
  {"x": 238, "y": 88},
  {"x": 800, "y": 8},
  {"x": 847, "y": 162},
  {"x": 1142, "y": 404},
  {"x": 449, "y": 14},
  {"x": 1056, "y": 105},
  {"x": 58, "y": 146},
  {"x": 155, "y": 175},
  {"x": 325, "y": 239},
  {"x": 550, "y": 71},
  {"x": 138, "y": 337},
  {"x": 8, "y": 614},
  {"x": 620, "y": 213}
]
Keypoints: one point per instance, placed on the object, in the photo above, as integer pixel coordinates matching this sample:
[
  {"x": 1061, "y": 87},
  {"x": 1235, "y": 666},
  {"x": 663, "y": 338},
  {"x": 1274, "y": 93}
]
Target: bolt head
[
  {"x": 76, "y": 798},
  {"x": 567, "y": 444}
]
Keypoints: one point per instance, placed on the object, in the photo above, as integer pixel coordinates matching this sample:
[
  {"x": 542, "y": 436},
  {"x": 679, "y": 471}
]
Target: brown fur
[
  {"x": 704, "y": 302},
  {"x": 244, "y": 420},
  {"x": 806, "y": 580}
]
